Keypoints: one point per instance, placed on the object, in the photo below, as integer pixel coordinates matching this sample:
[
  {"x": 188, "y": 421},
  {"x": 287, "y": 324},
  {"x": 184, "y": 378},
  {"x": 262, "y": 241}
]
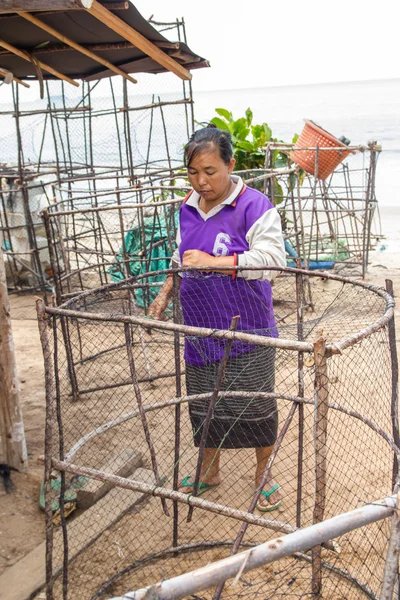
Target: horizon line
[{"x": 293, "y": 85}]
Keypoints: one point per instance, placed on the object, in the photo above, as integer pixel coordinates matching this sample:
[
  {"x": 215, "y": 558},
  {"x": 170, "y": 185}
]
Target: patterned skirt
[{"x": 250, "y": 422}]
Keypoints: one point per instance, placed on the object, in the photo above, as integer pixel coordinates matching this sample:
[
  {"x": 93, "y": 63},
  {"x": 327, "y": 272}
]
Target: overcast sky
[{"x": 258, "y": 43}]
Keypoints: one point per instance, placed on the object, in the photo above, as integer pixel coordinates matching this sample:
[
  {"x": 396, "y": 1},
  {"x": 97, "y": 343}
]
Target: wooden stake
[
  {"x": 320, "y": 436},
  {"x": 390, "y": 584},
  {"x": 394, "y": 407},
  {"x": 75, "y": 45},
  {"x": 136, "y": 38},
  {"x": 11, "y": 423},
  {"x": 25, "y": 56}
]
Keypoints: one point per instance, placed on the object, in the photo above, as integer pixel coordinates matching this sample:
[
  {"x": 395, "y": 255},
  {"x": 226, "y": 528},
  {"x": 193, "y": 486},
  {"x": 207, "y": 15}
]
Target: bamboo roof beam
[
  {"x": 26, "y": 56},
  {"x": 10, "y": 6},
  {"x": 75, "y": 45},
  {"x": 6, "y": 14},
  {"x": 4, "y": 73},
  {"x": 137, "y": 39}
]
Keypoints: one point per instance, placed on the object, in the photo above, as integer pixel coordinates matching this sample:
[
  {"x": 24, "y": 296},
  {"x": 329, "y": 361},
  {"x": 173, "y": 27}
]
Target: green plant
[{"x": 249, "y": 141}]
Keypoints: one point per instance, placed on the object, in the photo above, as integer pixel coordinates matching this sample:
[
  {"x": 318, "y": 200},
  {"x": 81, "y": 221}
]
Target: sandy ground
[{"x": 21, "y": 521}]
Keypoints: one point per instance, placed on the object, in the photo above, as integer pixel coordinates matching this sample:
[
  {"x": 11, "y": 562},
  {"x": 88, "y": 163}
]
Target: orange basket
[{"x": 312, "y": 137}]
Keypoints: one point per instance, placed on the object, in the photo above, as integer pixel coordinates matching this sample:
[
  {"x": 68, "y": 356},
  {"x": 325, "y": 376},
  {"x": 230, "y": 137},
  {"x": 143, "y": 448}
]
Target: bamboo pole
[
  {"x": 4, "y": 73},
  {"x": 136, "y": 38},
  {"x": 25, "y": 56},
  {"x": 181, "y": 497},
  {"x": 188, "y": 330},
  {"x": 75, "y": 45},
  {"x": 11, "y": 422},
  {"x": 10, "y": 6},
  {"x": 320, "y": 440},
  {"x": 220, "y": 571}
]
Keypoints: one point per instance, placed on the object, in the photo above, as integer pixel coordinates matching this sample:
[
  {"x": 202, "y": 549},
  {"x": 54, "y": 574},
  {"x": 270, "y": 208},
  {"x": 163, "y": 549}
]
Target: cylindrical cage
[{"x": 132, "y": 403}]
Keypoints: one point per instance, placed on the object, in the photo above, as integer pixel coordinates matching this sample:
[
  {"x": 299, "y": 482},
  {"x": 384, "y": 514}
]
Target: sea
[{"x": 361, "y": 111}]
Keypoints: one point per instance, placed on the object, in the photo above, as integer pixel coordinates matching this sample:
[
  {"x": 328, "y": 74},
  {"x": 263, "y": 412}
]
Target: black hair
[{"x": 202, "y": 138}]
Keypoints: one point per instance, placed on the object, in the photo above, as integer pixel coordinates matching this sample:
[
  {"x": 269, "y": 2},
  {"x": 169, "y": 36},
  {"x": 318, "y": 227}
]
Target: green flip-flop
[
  {"x": 267, "y": 495},
  {"x": 201, "y": 488},
  {"x": 75, "y": 483}
]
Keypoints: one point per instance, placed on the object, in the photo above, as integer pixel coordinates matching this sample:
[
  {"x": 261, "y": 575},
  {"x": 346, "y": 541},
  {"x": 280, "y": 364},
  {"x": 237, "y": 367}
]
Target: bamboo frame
[
  {"x": 128, "y": 33},
  {"x": 25, "y": 56},
  {"x": 299, "y": 346},
  {"x": 66, "y": 40},
  {"x": 321, "y": 401},
  {"x": 188, "y": 499},
  {"x": 228, "y": 568}
]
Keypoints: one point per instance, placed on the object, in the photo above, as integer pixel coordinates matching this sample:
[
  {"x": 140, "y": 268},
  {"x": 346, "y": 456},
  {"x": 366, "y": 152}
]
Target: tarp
[{"x": 147, "y": 257}]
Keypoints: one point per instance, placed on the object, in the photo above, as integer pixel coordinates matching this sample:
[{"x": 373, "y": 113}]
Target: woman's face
[{"x": 210, "y": 176}]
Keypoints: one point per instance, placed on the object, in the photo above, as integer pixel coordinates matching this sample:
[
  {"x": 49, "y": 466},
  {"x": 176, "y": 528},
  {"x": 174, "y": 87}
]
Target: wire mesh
[
  {"x": 120, "y": 405},
  {"x": 67, "y": 135}
]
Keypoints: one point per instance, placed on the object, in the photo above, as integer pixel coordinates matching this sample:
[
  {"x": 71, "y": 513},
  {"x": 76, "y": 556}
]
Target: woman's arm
[
  {"x": 266, "y": 247},
  {"x": 160, "y": 303},
  {"x": 197, "y": 258}
]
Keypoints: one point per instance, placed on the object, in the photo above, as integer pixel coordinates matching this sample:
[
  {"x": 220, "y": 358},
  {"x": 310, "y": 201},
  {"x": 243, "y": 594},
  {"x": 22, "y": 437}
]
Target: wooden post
[
  {"x": 300, "y": 380},
  {"x": 394, "y": 408},
  {"x": 390, "y": 584},
  {"x": 320, "y": 439},
  {"x": 11, "y": 423},
  {"x": 48, "y": 440}
]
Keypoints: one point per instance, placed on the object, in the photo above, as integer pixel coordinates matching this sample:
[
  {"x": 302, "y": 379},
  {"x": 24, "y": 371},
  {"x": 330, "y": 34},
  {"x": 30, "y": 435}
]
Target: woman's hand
[
  {"x": 197, "y": 258},
  {"x": 157, "y": 308},
  {"x": 160, "y": 303}
]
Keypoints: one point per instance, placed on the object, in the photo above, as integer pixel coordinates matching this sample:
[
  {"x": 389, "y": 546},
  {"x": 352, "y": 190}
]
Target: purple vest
[{"x": 212, "y": 300}]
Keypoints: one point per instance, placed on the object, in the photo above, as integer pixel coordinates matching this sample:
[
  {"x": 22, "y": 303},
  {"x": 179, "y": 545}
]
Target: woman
[{"x": 223, "y": 223}]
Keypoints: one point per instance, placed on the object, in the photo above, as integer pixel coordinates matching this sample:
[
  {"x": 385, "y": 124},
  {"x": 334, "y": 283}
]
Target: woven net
[{"x": 128, "y": 396}]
